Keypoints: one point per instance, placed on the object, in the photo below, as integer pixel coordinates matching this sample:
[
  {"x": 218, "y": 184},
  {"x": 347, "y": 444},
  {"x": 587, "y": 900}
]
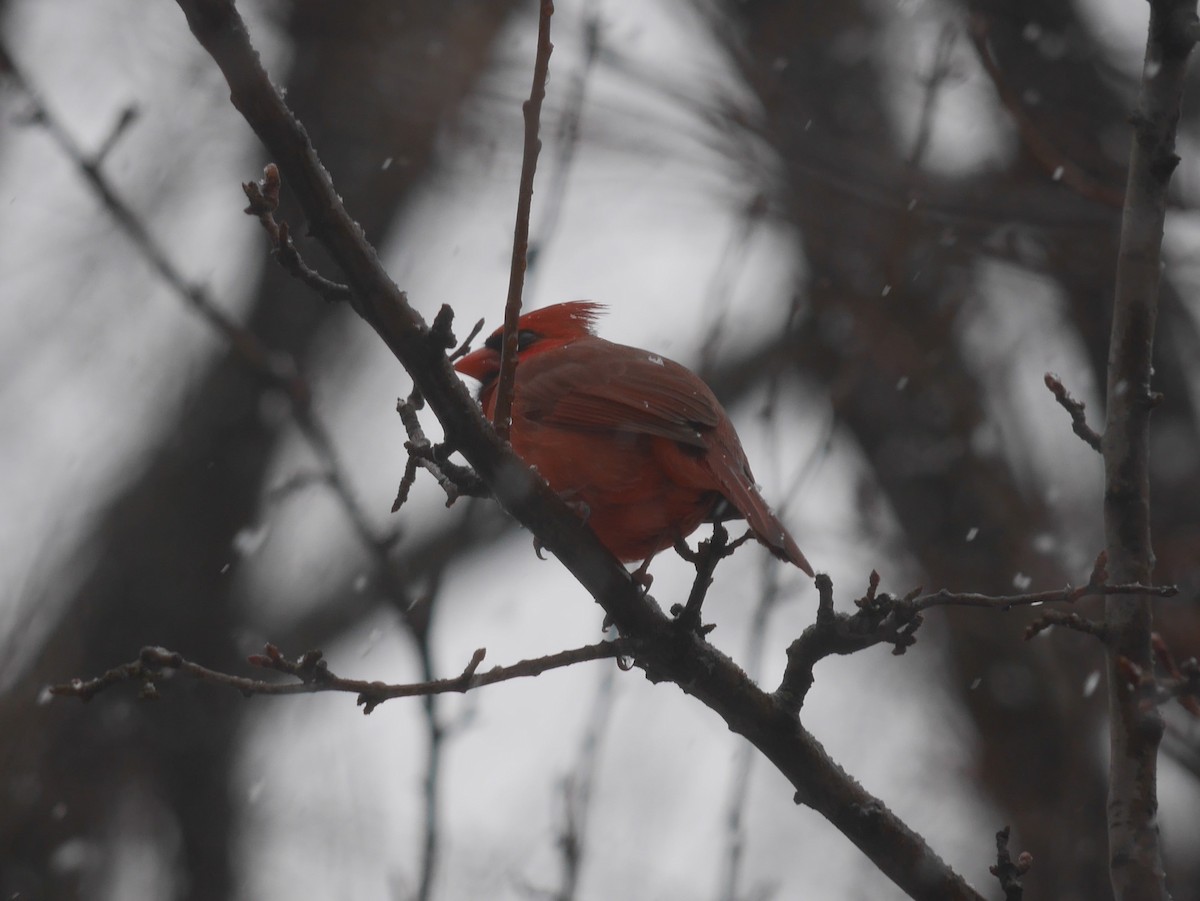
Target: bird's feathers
[{"x": 593, "y": 384}]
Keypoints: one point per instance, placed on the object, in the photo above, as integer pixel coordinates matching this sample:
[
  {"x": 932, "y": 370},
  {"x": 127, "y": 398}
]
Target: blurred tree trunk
[
  {"x": 371, "y": 80},
  {"x": 886, "y": 285},
  {"x": 1082, "y": 117}
]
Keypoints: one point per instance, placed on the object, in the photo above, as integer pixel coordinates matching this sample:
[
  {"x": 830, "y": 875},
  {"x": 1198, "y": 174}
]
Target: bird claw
[
  {"x": 682, "y": 549},
  {"x": 538, "y": 547},
  {"x": 641, "y": 576}
]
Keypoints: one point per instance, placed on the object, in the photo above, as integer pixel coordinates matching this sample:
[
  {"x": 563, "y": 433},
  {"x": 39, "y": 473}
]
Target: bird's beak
[{"x": 481, "y": 365}]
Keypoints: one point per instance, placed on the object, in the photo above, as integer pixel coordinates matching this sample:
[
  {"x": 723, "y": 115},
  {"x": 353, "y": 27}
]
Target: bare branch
[
  {"x": 315, "y": 676},
  {"x": 879, "y": 619},
  {"x": 532, "y": 108},
  {"x": 1076, "y": 409},
  {"x": 884, "y": 619},
  {"x": 565, "y": 147},
  {"x": 1135, "y": 728},
  {"x": 1097, "y": 585}
]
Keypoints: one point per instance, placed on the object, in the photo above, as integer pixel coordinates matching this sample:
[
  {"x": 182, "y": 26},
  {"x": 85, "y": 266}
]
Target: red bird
[{"x": 638, "y": 441}]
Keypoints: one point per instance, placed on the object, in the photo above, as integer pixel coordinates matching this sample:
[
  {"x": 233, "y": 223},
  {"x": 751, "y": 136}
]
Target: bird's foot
[
  {"x": 641, "y": 576},
  {"x": 682, "y": 549},
  {"x": 582, "y": 510}
]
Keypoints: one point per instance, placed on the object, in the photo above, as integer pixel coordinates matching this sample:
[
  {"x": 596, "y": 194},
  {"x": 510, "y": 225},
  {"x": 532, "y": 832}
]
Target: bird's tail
[{"x": 737, "y": 484}]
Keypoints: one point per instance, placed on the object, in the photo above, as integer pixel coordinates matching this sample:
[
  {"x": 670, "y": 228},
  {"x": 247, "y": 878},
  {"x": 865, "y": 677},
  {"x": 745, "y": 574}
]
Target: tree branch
[
  {"x": 884, "y": 619},
  {"x": 315, "y": 677},
  {"x": 1135, "y": 730},
  {"x": 532, "y": 109}
]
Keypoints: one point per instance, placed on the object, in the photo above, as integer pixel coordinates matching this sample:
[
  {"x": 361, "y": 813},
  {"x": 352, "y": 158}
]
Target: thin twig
[
  {"x": 884, "y": 619},
  {"x": 565, "y": 147},
  {"x": 532, "y": 109},
  {"x": 1076, "y": 410},
  {"x": 315, "y": 676},
  {"x": 465, "y": 348},
  {"x": 1005, "y": 602},
  {"x": 264, "y": 202},
  {"x": 457, "y": 481},
  {"x": 1097, "y": 585}
]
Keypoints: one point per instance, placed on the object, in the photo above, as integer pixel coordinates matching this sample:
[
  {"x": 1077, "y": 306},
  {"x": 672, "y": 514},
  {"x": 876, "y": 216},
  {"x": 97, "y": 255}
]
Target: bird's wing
[{"x": 594, "y": 384}]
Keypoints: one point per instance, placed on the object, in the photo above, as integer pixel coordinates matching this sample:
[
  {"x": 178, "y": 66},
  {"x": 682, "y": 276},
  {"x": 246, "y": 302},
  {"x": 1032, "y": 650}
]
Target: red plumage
[{"x": 636, "y": 438}]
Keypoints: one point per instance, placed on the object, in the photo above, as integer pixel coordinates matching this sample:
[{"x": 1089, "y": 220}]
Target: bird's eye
[{"x": 525, "y": 339}]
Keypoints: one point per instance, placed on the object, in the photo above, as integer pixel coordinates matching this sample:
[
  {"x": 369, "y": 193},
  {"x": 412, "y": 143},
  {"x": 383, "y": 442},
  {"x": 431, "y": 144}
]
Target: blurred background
[{"x": 872, "y": 226}]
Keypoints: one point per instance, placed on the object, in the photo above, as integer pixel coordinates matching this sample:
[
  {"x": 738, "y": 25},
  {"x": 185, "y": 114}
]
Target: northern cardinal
[{"x": 636, "y": 441}]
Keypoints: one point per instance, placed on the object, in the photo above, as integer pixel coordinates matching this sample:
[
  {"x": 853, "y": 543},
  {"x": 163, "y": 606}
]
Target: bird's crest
[{"x": 573, "y": 319}]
